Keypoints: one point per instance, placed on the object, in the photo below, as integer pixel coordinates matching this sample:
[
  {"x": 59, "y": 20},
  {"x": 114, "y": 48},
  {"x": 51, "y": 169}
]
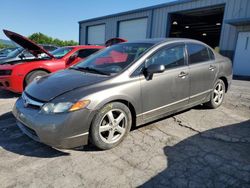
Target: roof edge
[
  {"x": 176, "y": 2},
  {"x": 238, "y": 21}
]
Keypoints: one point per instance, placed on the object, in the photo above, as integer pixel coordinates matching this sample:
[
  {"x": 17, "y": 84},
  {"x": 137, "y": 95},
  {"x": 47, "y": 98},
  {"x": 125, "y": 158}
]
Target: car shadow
[
  {"x": 215, "y": 158},
  {"x": 13, "y": 140},
  {"x": 8, "y": 95}
]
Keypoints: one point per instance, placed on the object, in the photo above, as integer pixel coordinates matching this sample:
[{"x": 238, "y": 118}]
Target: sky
[{"x": 59, "y": 18}]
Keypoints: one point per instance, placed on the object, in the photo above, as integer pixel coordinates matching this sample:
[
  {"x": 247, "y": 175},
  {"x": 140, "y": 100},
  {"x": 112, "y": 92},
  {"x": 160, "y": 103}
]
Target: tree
[
  {"x": 2, "y": 45},
  {"x": 41, "y": 38}
]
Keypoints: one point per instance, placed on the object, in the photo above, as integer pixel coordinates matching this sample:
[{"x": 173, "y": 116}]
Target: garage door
[
  {"x": 133, "y": 29},
  {"x": 96, "y": 34},
  {"x": 242, "y": 55}
]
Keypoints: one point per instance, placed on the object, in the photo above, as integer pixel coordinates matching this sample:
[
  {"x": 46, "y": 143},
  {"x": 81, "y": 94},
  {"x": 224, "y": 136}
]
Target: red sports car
[{"x": 15, "y": 75}]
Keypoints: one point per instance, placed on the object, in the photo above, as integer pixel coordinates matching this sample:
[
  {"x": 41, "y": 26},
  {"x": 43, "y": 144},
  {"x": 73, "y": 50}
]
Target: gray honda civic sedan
[{"x": 124, "y": 85}]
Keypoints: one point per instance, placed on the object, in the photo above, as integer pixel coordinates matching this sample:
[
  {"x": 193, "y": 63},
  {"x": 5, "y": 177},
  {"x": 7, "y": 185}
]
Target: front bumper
[
  {"x": 64, "y": 131},
  {"x": 11, "y": 83}
]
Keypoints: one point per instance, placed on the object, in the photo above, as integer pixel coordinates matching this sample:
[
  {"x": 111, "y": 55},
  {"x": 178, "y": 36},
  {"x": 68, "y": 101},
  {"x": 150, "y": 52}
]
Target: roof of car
[
  {"x": 161, "y": 40},
  {"x": 85, "y": 46}
]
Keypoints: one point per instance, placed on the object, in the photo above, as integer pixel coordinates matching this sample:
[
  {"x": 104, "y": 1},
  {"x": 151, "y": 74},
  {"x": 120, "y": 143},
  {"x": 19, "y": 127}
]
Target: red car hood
[{"x": 26, "y": 43}]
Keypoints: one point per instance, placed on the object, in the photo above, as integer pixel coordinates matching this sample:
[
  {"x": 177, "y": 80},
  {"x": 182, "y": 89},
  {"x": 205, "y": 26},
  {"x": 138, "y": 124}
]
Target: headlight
[{"x": 53, "y": 108}]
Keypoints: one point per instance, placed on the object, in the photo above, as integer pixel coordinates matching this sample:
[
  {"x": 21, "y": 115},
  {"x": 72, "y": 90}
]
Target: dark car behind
[
  {"x": 4, "y": 52},
  {"x": 20, "y": 53}
]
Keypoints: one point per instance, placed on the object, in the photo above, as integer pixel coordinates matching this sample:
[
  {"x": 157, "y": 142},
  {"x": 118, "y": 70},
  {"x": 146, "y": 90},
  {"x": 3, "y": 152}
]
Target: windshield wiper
[{"x": 89, "y": 69}]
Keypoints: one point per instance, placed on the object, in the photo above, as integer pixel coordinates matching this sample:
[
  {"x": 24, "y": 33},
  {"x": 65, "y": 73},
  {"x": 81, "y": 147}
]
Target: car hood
[
  {"x": 26, "y": 43},
  {"x": 54, "y": 85}
]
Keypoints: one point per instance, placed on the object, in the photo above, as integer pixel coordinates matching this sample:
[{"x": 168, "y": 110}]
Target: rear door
[
  {"x": 202, "y": 71},
  {"x": 169, "y": 90}
]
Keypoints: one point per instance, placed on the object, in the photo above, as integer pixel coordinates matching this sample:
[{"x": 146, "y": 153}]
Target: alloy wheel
[
  {"x": 218, "y": 94},
  {"x": 113, "y": 126}
]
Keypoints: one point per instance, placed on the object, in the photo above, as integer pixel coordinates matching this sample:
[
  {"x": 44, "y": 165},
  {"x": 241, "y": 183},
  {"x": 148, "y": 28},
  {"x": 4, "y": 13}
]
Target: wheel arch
[
  {"x": 131, "y": 108},
  {"x": 224, "y": 79},
  {"x": 38, "y": 69},
  {"x": 124, "y": 101}
]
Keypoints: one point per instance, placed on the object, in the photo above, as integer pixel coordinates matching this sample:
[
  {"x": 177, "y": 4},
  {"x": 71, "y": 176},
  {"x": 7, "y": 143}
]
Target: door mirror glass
[{"x": 153, "y": 69}]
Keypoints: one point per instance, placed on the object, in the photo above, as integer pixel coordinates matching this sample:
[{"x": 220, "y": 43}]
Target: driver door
[{"x": 169, "y": 90}]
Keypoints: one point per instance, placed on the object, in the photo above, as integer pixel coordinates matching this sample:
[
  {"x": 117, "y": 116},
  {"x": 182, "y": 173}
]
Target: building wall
[
  {"x": 158, "y": 25},
  {"x": 234, "y": 9}
]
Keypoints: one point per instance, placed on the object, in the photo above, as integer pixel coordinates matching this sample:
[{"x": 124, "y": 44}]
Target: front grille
[
  {"x": 30, "y": 102},
  {"x": 5, "y": 72}
]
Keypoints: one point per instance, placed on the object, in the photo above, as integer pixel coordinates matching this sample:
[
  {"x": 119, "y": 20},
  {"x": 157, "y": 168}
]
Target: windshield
[
  {"x": 60, "y": 52},
  {"x": 15, "y": 53},
  {"x": 114, "y": 59}
]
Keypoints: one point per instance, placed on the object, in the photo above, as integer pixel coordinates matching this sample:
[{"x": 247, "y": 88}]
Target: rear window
[
  {"x": 197, "y": 53},
  {"x": 211, "y": 54}
]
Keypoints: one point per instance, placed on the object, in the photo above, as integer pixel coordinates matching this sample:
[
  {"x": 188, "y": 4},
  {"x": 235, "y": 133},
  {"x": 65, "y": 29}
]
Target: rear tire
[
  {"x": 33, "y": 75},
  {"x": 217, "y": 95},
  {"x": 111, "y": 125}
]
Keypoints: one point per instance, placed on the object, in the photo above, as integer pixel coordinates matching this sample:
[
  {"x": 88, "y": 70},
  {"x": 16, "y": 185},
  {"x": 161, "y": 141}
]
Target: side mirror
[{"x": 153, "y": 69}]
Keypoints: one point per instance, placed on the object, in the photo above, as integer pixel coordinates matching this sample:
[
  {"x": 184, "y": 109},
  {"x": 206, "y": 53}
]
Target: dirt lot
[{"x": 196, "y": 148}]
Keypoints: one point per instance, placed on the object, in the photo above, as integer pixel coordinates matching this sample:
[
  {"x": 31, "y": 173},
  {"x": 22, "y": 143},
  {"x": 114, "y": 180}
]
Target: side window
[
  {"x": 211, "y": 54},
  {"x": 86, "y": 52},
  {"x": 169, "y": 57},
  {"x": 197, "y": 53}
]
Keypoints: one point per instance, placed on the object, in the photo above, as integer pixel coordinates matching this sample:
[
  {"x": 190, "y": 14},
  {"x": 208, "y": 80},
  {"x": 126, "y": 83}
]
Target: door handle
[
  {"x": 183, "y": 75},
  {"x": 212, "y": 67}
]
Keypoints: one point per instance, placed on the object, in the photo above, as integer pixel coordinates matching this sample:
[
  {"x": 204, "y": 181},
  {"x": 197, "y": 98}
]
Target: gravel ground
[{"x": 195, "y": 148}]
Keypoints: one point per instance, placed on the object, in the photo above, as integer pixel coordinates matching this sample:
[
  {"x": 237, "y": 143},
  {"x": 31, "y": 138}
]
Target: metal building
[{"x": 223, "y": 24}]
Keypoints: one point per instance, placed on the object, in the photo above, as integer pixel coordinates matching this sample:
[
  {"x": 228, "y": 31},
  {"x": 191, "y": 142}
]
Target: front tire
[
  {"x": 33, "y": 75},
  {"x": 217, "y": 95},
  {"x": 111, "y": 125}
]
